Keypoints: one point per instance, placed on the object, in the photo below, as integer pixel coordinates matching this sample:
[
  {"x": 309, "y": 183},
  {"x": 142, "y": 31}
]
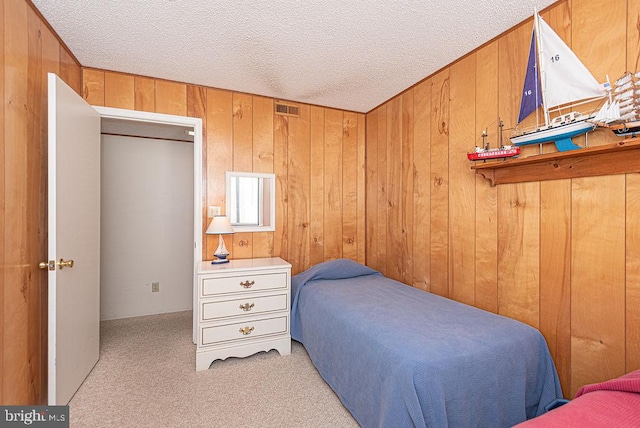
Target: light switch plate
[{"x": 213, "y": 211}]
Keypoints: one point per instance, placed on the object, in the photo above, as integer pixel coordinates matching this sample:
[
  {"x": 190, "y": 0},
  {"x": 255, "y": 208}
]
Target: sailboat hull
[{"x": 556, "y": 133}]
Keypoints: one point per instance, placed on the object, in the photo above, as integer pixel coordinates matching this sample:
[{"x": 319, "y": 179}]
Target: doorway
[
  {"x": 74, "y": 228},
  {"x": 166, "y": 127},
  {"x": 146, "y": 225}
]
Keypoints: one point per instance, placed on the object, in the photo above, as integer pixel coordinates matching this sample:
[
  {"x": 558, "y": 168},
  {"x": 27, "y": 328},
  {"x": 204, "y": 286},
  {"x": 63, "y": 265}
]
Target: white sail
[
  {"x": 565, "y": 78},
  {"x": 610, "y": 112},
  {"x": 626, "y": 78}
]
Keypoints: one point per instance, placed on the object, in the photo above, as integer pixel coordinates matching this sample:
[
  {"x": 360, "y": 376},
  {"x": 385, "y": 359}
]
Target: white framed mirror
[{"x": 251, "y": 201}]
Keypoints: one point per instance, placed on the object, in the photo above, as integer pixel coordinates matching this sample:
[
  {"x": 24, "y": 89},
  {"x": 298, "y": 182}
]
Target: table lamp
[{"x": 220, "y": 225}]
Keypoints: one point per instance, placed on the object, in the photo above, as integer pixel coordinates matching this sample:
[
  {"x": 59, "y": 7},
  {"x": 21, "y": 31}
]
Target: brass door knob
[
  {"x": 65, "y": 263},
  {"x": 51, "y": 265}
]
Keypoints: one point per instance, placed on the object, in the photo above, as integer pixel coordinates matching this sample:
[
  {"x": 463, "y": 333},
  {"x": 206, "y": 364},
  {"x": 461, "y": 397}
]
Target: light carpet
[{"x": 146, "y": 378}]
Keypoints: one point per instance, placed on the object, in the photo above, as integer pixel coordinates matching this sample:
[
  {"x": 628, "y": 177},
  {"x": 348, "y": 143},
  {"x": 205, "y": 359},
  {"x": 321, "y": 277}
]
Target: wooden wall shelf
[{"x": 618, "y": 158}]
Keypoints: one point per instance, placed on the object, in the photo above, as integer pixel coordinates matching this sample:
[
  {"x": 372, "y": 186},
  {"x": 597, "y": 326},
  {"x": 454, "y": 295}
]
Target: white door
[{"x": 74, "y": 235}]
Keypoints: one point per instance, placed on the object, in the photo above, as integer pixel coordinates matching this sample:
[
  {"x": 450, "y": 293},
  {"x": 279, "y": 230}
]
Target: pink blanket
[{"x": 613, "y": 403}]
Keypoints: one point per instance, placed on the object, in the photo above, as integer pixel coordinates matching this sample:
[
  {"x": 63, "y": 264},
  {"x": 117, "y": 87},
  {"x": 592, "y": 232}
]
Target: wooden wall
[
  {"x": 318, "y": 159},
  {"x": 562, "y": 256},
  {"x": 29, "y": 50}
]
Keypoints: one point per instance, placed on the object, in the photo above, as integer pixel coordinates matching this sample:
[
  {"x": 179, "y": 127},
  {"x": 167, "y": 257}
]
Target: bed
[
  {"x": 397, "y": 356},
  {"x": 614, "y": 403}
]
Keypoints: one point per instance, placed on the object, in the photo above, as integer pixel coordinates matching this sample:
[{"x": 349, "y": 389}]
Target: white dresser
[{"x": 242, "y": 308}]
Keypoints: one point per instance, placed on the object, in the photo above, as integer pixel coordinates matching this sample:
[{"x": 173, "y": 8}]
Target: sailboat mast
[{"x": 541, "y": 75}]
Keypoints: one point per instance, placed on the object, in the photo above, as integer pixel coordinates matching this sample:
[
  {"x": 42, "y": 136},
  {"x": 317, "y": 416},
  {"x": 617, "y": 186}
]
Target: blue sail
[{"x": 531, "y": 94}]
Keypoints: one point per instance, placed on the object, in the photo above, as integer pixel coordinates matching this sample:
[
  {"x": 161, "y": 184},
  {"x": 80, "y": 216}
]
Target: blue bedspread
[{"x": 400, "y": 357}]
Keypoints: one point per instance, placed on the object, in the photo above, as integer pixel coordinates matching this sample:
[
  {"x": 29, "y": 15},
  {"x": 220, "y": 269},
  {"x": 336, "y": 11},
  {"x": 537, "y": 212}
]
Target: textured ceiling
[{"x": 348, "y": 54}]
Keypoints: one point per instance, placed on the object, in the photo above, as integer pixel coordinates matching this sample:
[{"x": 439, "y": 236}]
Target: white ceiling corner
[{"x": 347, "y": 54}]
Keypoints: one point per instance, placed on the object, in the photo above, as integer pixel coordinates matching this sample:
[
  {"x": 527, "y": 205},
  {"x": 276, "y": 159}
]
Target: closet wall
[
  {"x": 146, "y": 226},
  {"x": 318, "y": 159},
  {"x": 562, "y": 255}
]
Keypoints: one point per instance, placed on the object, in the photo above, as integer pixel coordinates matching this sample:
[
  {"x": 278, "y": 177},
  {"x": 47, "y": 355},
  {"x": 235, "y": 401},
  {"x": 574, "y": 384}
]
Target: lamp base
[
  {"x": 221, "y": 252},
  {"x": 221, "y": 257}
]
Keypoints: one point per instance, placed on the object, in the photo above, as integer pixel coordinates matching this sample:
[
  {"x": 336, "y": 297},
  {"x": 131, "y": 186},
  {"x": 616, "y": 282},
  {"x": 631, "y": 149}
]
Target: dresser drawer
[
  {"x": 256, "y": 328},
  {"x": 244, "y": 306},
  {"x": 249, "y": 282}
]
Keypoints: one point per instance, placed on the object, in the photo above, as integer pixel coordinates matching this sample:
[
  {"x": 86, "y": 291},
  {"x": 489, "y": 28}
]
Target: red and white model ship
[{"x": 485, "y": 153}]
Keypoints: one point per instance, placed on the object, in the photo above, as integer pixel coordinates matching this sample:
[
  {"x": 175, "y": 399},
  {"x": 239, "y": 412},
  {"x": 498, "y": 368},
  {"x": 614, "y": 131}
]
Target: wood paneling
[
  {"x": 361, "y": 191},
  {"x": 145, "y": 94},
  {"x": 555, "y": 247},
  {"x": 597, "y": 279},
  {"x": 381, "y": 190},
  {"x": 69, "y": 70},
  {"x": 406, "y": 190},
  {"x": 318, "y": 159},
  {"x": 17, "y": 63},
  {"x": 197, "y": 107},
  {"x": 518, "y": 251},
  {"x": 93, "y": 86},
  {"x": 486, "y": 210},
  {"x": 262, "y": 161},
  {"x": 29, "y": 51},
  {"x": 3, "y": 269},
  {"x": 596, "y": 52},
  {"x": 371, "y": 215},
  {"x": 462, "y": 132},
  {"x": 171, "y": 98},
  {"x": 218, "y": 155},
  {"x": 36, "y": 179},
  {"x": 633, "y": 35},
  {"x": 376, "y": 259},
  {"x": 281, "y": 170},
  {"x": 350, "y": 171},
  {"x": 394, "y": 260},
  {"x": 560, "y": 255},
  {"x": 119, "y": 90},
  {"x": 633, "y": 273},
  {"x": 242, "y": 161},
  {"x": 421, "y": 163},
  {"x": 316, "y": 192},
  {"x": 333, "y": 184},
  {"x": 298, "y": 189},
  {"x": 632, "y": 227},
  {"x": 440, "y": 183},
  {"x": 263, "y": 134},
  {"x": 555, "y": 273}
]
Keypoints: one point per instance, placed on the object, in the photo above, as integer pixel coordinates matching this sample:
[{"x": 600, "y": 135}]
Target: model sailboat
[
  {"x": 621, "y": 113},
  {"x": 555, "y": 79},
  {"x": 485, "y": 153}
]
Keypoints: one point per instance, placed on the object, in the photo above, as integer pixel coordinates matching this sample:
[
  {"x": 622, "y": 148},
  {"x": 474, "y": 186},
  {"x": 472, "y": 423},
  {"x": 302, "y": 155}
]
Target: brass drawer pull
[
  {"x": 247, "y": 284},
  {"x": 247, "y": 307},
  {"x": 246, "y": 330}
]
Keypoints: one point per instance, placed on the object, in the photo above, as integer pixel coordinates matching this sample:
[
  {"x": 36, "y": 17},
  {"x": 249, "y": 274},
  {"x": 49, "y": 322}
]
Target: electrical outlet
[
  {"x": 213, "y": 211},
  {"x": 155, "y": 287}
]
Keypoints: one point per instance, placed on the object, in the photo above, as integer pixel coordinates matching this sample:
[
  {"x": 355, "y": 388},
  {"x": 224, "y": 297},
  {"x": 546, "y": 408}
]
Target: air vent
[{"x": 286, "y": 109}]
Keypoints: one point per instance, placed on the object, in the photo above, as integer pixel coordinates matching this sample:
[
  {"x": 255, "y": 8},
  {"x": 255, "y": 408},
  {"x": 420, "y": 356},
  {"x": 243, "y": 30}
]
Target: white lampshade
[{"x": 220, "y": 225}]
